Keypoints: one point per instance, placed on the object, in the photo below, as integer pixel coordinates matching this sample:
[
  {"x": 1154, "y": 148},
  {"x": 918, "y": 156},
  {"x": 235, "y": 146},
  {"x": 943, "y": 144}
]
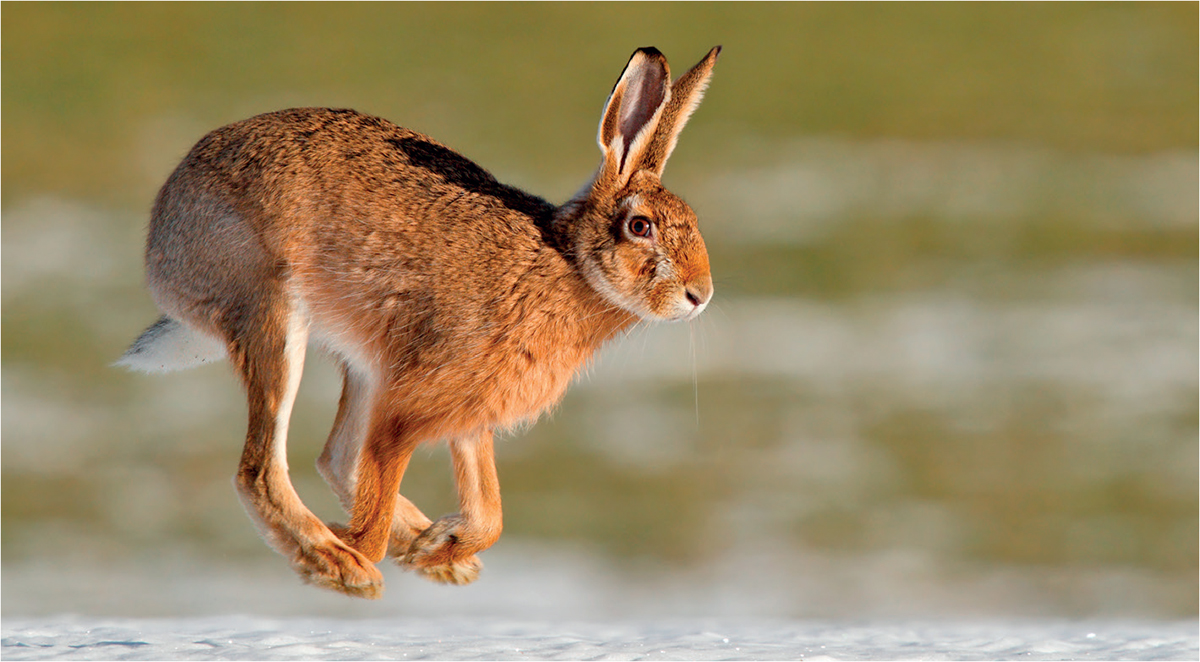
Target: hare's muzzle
[{"x": 697, "y": 293}]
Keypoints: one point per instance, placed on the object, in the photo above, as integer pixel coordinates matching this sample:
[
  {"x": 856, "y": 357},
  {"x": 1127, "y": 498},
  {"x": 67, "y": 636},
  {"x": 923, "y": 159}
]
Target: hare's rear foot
[
  {"x": 445, "y": 552},
  {"x": 337, "y": 566}
]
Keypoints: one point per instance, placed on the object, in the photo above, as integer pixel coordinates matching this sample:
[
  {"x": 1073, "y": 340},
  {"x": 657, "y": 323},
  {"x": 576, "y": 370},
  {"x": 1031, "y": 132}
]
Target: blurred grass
[
  {"x": 84, "y": 83},
  {"x": 100, "y": 100},
  {"x": 868, "y": 256}
]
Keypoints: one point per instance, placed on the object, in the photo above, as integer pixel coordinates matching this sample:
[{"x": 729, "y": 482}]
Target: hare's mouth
[
  {"x": 688, "y": 307},
  {"x": 696, "y": 310},
  {"x": 680, "y": 307},
  {"x": 691, "y": 298}
]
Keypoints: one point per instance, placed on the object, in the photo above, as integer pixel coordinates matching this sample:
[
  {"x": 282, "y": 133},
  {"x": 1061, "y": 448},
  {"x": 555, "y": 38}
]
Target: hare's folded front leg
[
  {"x": 270, "y": 360},
  {"x": 446, "y": 550}
]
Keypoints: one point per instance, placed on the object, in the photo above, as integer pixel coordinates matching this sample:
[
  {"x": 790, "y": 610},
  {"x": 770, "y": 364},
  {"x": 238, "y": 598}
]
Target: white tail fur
[{"x": 170, "y": 345}]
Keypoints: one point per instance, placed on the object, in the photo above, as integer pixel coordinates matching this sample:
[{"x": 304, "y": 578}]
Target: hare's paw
[
  {"x": 334, "y": 565},
  {"x": 402, "y": 539},
  {"x": 440, "y": 554},
  {"x": 459, "y": 572}
]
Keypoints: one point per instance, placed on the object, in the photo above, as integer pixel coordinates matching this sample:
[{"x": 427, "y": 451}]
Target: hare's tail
[{"x": 170, "y": 345}]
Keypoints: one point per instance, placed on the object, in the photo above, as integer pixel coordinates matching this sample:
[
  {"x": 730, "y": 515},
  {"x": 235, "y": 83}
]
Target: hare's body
[
  {"x": 456, "y": 305},
  {"x": 452, "y": 289}
]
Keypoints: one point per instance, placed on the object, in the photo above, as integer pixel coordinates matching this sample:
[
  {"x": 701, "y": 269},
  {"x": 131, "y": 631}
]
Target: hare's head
[{"x": 637, "y": 243}]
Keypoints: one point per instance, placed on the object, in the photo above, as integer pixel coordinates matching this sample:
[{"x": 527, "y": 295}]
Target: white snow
[{"x": 236, "y": 637}]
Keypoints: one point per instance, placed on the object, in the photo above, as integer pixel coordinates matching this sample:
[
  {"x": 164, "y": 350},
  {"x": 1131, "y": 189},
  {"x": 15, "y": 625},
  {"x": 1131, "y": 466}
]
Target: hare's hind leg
[
  {"x": 338, "y": 463},
  {"x": 445, "y": 551},
  {"x": 268, "y": 351}
]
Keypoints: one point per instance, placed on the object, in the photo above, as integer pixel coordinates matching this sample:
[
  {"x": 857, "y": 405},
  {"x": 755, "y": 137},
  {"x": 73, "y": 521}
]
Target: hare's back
[
  {"x": 285, "y": 154},
  {"x": 331, "y": 166}
]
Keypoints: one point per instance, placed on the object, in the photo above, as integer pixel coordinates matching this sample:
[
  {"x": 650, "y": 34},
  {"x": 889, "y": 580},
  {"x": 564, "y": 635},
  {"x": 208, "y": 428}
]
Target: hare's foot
[
  {"x": 334, "y": 565},
  {"x": 443, "y": 552},
  {"x": 460, "y": 572},
  {"x": 403, "y": 536}
]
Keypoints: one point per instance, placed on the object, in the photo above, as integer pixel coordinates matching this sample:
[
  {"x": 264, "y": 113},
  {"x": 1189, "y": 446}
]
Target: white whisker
[{"x": 695, "y": 378}]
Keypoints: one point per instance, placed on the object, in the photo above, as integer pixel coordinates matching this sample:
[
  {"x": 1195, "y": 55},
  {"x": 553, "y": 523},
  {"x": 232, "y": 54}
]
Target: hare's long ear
[
  {"x": 632, "y": 113},
  {"x": 685, "y": 96}
]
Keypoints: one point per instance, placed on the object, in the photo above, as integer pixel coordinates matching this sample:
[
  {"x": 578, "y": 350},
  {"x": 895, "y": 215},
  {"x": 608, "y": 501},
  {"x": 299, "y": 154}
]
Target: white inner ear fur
[
  {"x": 639, "y": 139},
  {"x": 633, "y": 115},
  {"x": 641, "y": 94}
]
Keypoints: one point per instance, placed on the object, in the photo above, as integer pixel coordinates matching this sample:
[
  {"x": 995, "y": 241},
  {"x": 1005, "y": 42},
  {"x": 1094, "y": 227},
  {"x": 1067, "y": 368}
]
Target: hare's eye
[{"x": 640, "y": 226}]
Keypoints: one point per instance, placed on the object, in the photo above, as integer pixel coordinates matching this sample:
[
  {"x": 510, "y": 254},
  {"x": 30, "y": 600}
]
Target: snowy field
[{"x": 232, "y": 637}]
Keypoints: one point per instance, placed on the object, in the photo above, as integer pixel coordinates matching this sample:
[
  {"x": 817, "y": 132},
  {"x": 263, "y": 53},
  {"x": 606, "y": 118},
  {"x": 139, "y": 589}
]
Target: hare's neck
[
  {"x": 601, "y": 325},
  {"x": 600, "y": 321},
  {"x": 592, "y": 320}
]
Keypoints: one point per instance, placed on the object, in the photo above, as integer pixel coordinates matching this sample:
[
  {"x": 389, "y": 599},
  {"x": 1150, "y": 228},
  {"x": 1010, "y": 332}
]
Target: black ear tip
[
  {"x": 716, "y": 50},
  {"x": 649, "y": 51}
]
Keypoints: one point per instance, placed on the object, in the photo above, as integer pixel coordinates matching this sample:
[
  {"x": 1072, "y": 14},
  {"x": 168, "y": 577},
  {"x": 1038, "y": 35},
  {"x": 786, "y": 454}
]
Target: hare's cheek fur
[
  {"x": 611, "y": 273},
  {"x": 644, "y": 275},
  {"x": 646, "y": 281}
]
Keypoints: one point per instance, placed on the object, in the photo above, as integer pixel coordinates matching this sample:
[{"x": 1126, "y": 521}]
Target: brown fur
[{"x": 456, "y": 305}]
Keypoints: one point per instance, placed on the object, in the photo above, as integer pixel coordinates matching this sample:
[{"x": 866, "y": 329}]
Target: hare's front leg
[
  {"x": 338, "y": 463},
  {"x": 268, "y": 351},
  {"x": 446, "y": 550},
  {"x": 383, "y": 456}
]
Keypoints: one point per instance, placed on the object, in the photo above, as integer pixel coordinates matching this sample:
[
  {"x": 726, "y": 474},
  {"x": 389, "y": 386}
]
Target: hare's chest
[{"x": 532, "y": 378}]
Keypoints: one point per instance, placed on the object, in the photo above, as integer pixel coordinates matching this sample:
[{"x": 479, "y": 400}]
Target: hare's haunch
[{"x": 455, "y": 305}]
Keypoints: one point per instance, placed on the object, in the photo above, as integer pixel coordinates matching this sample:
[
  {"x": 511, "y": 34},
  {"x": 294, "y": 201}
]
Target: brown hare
[{"x": 454, "y": 305}]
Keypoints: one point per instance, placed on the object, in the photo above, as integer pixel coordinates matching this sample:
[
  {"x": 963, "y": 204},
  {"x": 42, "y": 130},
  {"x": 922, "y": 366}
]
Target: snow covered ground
[{"x": 233, "y": 637}]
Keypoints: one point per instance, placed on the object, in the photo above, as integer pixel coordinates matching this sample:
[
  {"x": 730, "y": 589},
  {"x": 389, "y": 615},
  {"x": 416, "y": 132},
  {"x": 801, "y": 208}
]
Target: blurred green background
[{"x": 951, "y": 368}]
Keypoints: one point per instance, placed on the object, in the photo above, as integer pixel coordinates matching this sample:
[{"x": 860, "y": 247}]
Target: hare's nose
[{"x": 699, "y": 291}]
